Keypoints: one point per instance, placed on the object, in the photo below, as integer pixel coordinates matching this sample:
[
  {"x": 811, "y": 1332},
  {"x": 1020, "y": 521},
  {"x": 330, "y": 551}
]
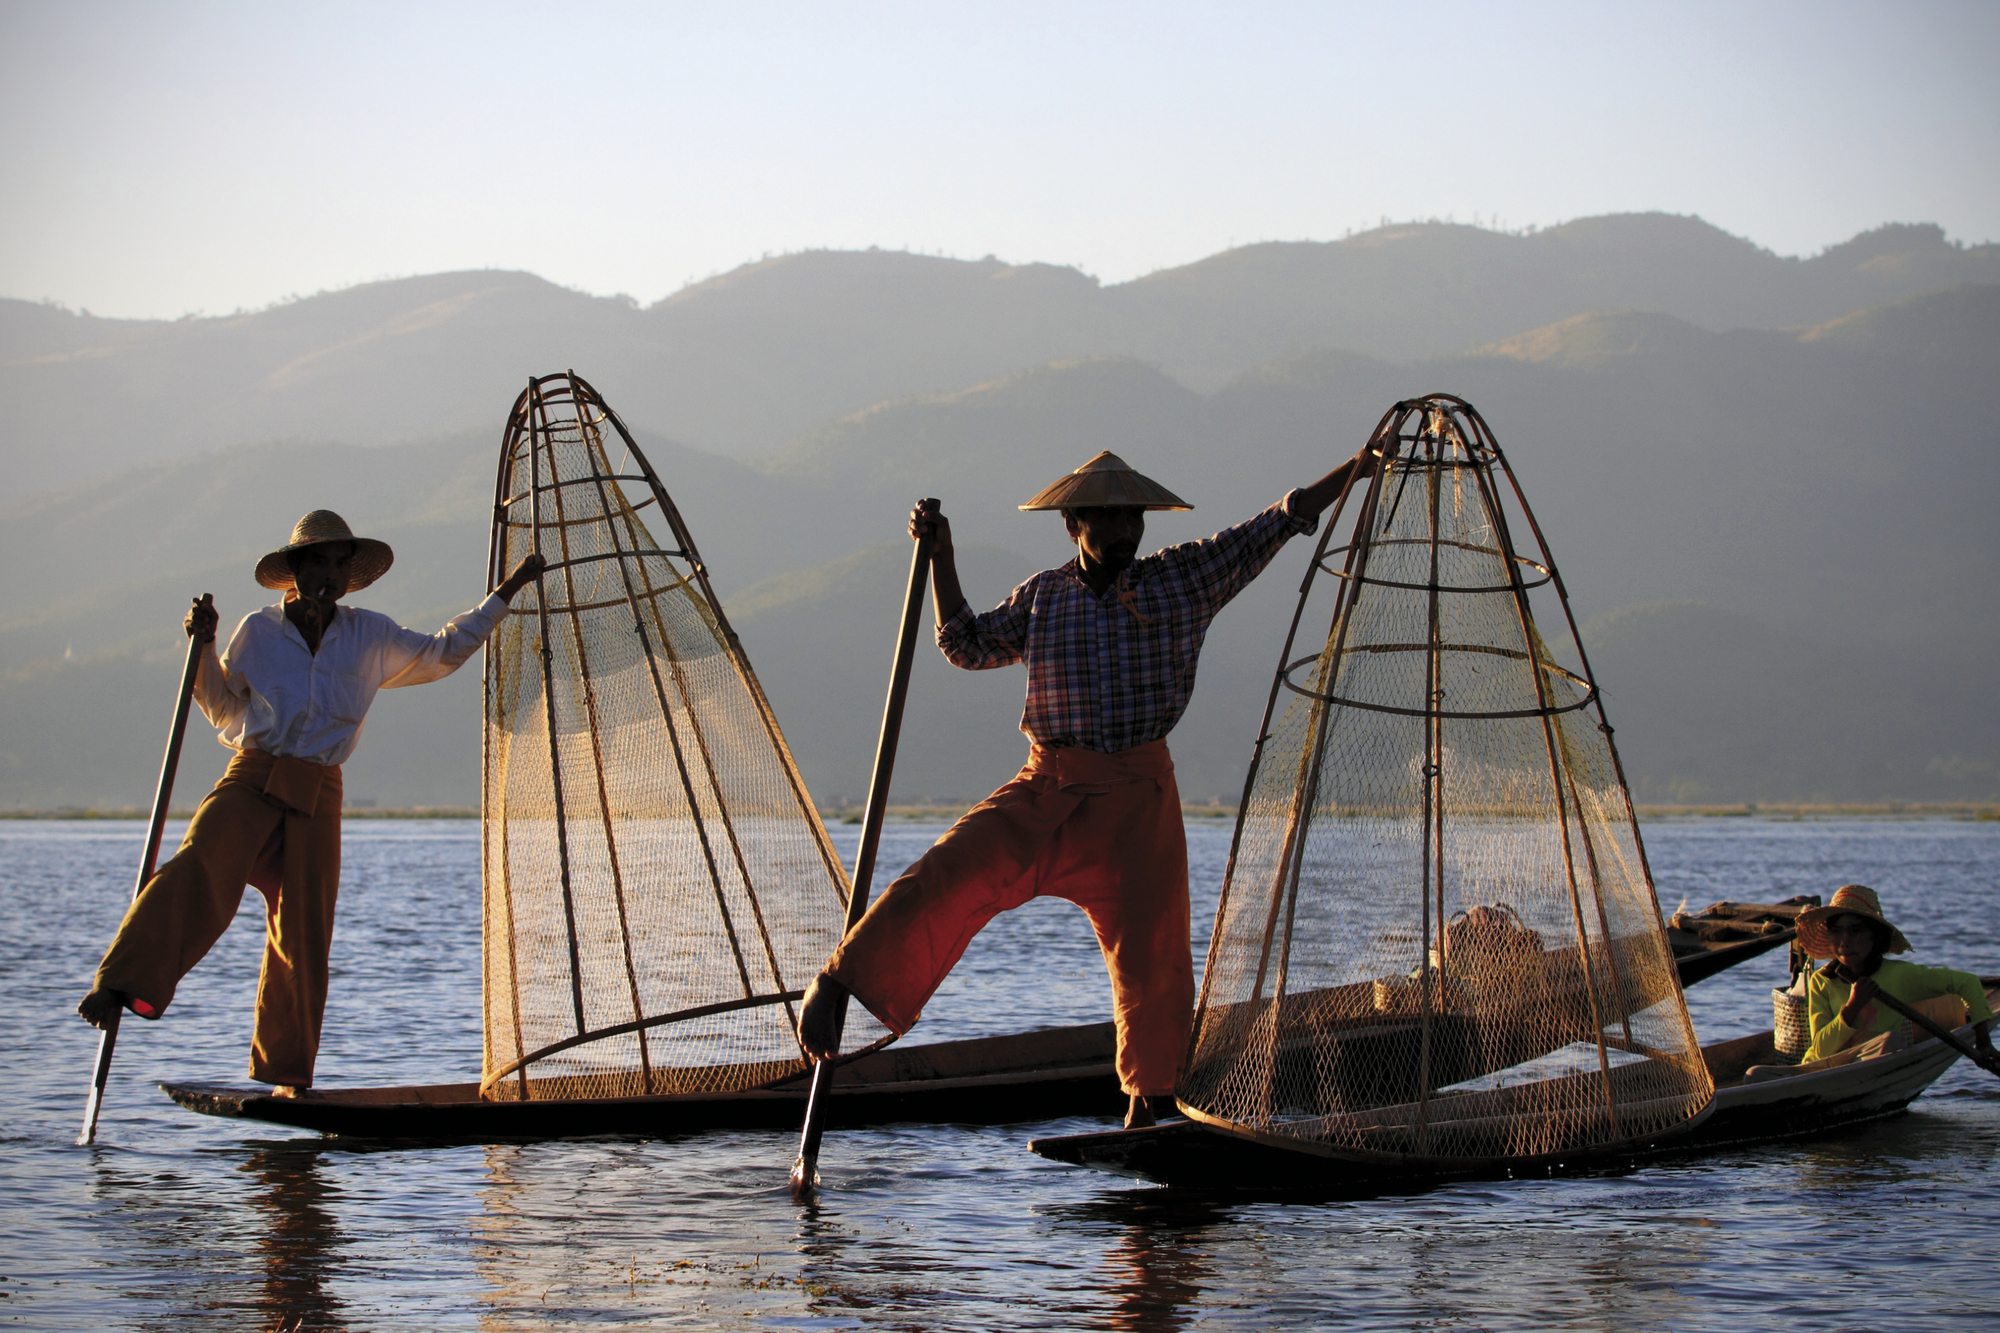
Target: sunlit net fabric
[
  {"x": 1438, "y": 938},
  {"x": 658, "y": 887}
]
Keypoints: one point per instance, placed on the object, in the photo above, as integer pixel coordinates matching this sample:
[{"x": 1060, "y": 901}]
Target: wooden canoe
[
  {"x": 1790, "y": 1103},
  {"x": 1013, "y": 1079},
  {"x": 983, "y": 1080},
  {"x": 1783, "y": 1104},
  {"x": 1724, "y": 934}
]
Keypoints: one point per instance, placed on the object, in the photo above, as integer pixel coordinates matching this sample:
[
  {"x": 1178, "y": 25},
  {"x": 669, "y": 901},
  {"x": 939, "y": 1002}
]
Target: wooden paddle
[
  {"x": 107, "y": 1040},
  {"x": 1990, "y": 1064},
  {"x": 805, "y": 1171}
]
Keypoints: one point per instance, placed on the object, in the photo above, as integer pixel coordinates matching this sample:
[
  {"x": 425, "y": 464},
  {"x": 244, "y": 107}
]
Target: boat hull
[
  {"x": 1013, "y": 1079},
  {"x": 1191, "y": 1155},
  {"x": 1813, "y": 1103},
  {"x": 990, "y": 1080},
  {"x": 1197, "y": 1156}
]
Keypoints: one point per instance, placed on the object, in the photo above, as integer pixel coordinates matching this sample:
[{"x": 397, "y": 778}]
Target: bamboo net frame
[
  {"x": 1438, "y": 940},
  {"x": 658, "y": 884}
]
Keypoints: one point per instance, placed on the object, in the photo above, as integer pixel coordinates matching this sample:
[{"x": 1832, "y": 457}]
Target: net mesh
[
  {"x": 658, "y": 886},
  {"x": 1438, "y": 936}
]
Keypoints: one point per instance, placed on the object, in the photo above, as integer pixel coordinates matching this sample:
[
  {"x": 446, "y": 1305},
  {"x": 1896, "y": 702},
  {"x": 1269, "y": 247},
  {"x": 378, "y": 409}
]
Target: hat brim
[
  {"x": 1085, "y": 490},
  {"x": 371, "y": 561},
  {"x": 1817, "y": 943}
]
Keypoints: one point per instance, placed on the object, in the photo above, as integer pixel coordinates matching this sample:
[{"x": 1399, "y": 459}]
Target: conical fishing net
[
  {"x": 659, "y": 888},
  {"x": 1438, "y": 937}
]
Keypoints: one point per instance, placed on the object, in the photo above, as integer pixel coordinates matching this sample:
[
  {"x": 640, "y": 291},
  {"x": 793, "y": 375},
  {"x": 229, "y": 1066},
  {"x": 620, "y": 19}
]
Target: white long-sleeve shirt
[{"x": 270, "y": 692}]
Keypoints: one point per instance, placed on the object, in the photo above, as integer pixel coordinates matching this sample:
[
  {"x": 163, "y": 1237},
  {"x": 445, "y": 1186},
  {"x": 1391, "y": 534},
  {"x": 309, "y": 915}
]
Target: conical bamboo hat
[{"x": 1106, "y": 480}]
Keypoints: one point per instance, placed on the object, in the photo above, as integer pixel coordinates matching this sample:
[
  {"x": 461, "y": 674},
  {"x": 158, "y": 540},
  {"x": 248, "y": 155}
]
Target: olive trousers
[
  {"x": 1100, "y": 830},
  {"x": 272, "y": 823}
]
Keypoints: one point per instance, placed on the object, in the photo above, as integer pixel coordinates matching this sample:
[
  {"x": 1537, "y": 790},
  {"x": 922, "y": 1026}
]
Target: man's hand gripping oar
[
  {"x": 103, "y": 1008},
  {"x": 825, "y": 1012}
]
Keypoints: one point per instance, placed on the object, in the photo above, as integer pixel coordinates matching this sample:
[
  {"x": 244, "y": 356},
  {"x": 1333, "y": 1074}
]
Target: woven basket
[{"x": 1790, "y": 1034}]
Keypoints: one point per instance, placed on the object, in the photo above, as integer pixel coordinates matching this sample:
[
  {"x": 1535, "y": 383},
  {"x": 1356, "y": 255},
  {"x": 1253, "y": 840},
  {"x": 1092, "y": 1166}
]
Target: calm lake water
[{"x": 175, "y": 1220}]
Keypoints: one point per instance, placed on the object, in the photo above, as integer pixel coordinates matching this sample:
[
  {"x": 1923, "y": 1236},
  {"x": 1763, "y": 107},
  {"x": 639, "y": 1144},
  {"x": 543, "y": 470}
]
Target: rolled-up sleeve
[
  {"x": 1217, "y": 568},
  {"x": 1297, "y": 524},
  {"x": 221, "y": 695},
  {"x": 412, "y": 658},
  {"x": 995, "y": 639}
]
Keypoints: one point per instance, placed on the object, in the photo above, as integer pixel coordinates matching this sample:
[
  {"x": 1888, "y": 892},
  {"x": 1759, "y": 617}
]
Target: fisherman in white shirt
[{"x": 289, "y": 695}]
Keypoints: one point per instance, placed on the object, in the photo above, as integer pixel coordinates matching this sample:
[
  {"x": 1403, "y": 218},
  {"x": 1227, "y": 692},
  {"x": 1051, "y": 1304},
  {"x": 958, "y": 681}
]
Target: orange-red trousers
[
  {"x": 272, "y": 823},
  {"x": 1101, "y": 830}
]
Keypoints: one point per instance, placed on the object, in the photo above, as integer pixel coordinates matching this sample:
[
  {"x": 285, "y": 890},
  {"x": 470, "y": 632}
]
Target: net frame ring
[
  {"x": 1547, "y": 574},
  {"x": 1589, "y": 695}
]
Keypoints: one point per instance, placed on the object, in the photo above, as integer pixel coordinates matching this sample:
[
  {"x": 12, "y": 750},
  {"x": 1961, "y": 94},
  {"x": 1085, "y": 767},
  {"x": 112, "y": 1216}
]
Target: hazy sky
[{"x": 162, "y": 159}]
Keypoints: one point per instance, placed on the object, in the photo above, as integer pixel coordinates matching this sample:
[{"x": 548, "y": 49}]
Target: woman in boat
[{"x": 1840, "y": 998}]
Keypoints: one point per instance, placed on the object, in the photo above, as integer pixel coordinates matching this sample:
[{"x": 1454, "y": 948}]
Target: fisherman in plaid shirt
[{"x": 1110, "y": 642}]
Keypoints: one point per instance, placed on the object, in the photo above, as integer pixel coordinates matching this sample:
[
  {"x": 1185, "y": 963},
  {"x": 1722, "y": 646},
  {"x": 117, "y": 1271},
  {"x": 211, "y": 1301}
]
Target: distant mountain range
[
  {"x": 1768, "y": 481},
  {"x": 745, "y": 363}
]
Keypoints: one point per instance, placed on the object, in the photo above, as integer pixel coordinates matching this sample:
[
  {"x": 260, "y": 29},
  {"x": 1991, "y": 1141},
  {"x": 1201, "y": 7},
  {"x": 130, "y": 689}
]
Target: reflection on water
[
  {"x": 1156, "y": 1267},
  {"x": 1469, "y": 1256},
  {"x": 177, "y": 1221},
  {"x": 297, "y": 1236},
  {"x": 261, "y": 1251}
]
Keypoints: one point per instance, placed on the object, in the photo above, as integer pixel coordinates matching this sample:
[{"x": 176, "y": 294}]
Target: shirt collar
[
  {"x": 1133, "y": 575},
  {"x": 286, "y": 626}
]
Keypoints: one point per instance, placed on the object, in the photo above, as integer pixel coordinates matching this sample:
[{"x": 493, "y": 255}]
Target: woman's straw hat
[
  {"x": 1106, "y": 480},
  {"x": 1848, "y": 900},
  {"x": 371, "y": 558}
]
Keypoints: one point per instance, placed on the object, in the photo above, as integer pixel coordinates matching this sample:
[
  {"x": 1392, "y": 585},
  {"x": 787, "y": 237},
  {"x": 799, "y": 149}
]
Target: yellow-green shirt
[{"x": 1908, "y": 982}]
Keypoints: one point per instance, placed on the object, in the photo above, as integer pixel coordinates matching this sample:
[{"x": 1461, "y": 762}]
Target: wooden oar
[
  {"x": 1990, "y": 1064},
  {"x": 805, "y": 1170},
  {"x": 107, "y": 1040}
]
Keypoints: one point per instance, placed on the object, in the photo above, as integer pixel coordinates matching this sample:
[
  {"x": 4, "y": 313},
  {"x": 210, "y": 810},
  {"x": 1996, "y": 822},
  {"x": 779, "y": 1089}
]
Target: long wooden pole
[
  {"x": 805, "y": 1170},
  {"x": 163, "y": 791}
]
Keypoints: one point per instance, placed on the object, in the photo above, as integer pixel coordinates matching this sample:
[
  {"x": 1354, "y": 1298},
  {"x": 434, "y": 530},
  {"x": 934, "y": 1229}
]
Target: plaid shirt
[{"x": 1111, "y": 672}]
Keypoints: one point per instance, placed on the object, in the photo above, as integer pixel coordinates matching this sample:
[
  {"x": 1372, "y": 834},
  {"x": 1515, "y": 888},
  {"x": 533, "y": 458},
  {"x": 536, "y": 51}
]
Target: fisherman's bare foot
[
  {"x": 819, "y": 1017},
  {"x": 1145, "y": 1112},
  {"x": 100, "y": 1007},
  {"x": 300, "y": 1090}
]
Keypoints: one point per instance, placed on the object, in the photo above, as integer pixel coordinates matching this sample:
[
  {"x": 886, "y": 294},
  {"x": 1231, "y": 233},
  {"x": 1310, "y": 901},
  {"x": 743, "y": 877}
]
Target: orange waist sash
[
  {"x": 1073, "y": 766},
  {"x": 293, "y": 783}
]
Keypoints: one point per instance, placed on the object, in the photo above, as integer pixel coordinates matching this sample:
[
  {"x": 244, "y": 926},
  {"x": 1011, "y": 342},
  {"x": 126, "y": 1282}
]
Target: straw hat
[
  {"x": 371, "y": 558},
  {"x": 1106, "y": 480},
  {"x": 1848, "y": 899}
]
